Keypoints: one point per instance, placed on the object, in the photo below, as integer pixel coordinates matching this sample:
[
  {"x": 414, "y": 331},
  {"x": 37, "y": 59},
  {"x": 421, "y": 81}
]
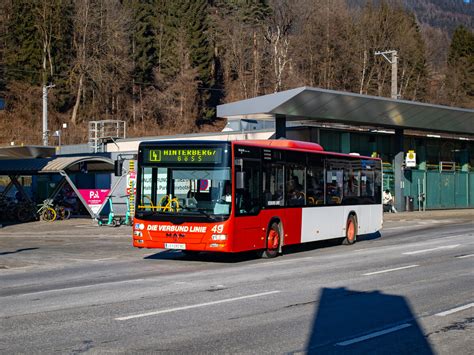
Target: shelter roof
[
  {"x": 28, "y": 151},
  {"x": 306, "y": 103},
  {"x": 55, "y": 165}
]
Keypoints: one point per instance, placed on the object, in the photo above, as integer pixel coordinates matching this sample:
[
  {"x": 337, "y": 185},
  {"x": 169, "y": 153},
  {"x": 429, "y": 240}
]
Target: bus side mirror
[
  {"x": 118, "y": 165},
  {"x": 240, "y": 180}
]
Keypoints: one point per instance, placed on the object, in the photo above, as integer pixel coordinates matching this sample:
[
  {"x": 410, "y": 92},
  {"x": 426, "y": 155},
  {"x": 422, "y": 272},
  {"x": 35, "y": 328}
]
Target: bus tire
[
  {"x": 351, "y": 230},
  {"x": 273, "y": 241}
]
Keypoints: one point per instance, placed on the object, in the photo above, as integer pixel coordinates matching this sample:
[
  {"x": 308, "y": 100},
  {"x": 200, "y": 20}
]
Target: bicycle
[
  {"x": 62, "y": 212},
  {"x": 46, "y": 211},
  {"x": 26, "y": 211}
]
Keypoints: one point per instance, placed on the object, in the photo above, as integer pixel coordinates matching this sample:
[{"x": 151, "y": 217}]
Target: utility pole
[
  {"x": 45, "y": 112},
  {"x": 394, "y": 62},
  {"x": 397, "y": 162}
]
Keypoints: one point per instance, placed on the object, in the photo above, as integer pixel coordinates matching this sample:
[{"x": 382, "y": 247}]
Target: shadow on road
[
  {"x": 17, "y": 251},
  {"x": 370, "y": 236},
  {"x": 246, "y": 256},
  {"x": 226, "y": 258},
  {"x": 354, "y": 322}
]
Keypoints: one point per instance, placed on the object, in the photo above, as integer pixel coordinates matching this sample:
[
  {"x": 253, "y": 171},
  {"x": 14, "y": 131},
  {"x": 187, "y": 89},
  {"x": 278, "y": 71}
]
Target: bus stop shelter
[
  {"x": 306, "y": 104},
  {"x": 64, "y": 166}
]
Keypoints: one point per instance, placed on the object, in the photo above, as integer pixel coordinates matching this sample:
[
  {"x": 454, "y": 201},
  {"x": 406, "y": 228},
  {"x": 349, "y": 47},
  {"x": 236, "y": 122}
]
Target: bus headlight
[
  {"x": 219, "y": 237},
  {"x": 138, "y": 234}
]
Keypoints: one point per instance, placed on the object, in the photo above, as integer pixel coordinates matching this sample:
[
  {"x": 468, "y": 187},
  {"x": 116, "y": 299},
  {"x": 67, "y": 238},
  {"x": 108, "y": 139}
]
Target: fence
[{"x": 440, "y": 189}]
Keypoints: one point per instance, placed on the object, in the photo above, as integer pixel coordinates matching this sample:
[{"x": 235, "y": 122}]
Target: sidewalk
[{"x": 464, "y": 214}]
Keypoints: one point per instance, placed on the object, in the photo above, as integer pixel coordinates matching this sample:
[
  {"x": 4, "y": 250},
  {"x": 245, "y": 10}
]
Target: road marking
[
  {"x": 454, "y": 310},
  {"x": 432, "y": 249},
  {"x": 103, "y": 259},
  {"x": 196, "y": 305},
  {"x": 77, "y": 287},
  {"x": 373, "y": 335},
  {"x": 464, "y": 256},
  {"x": 389, "y": 270}
]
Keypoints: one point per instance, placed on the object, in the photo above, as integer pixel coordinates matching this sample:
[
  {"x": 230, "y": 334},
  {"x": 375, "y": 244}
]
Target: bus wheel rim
[
  {"x": 273, "y": 239},
  {"x": 350, "y": 230}
]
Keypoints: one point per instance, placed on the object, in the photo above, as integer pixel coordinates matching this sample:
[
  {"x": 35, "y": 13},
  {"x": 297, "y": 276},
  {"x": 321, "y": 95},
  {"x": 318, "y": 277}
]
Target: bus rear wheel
[
  {"x": 351, "y": 231},
  {"x": 273, "y": 242}
]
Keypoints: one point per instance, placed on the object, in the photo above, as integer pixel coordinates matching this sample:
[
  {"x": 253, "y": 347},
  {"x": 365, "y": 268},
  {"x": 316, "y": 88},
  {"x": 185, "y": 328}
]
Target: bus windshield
[{"x": 185, "y": 191}]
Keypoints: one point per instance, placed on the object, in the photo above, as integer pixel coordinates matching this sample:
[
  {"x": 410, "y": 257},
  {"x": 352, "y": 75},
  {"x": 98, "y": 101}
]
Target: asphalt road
[{"x": 74, "y": 288}]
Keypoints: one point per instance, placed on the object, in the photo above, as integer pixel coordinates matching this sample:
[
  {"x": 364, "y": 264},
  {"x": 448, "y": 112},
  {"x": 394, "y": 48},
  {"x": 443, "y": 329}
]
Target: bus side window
[
  {"x": 334, "y": 186},
  {"x": 273, "y": 185},
  {"x": 295, "y": 185},
  {"x": 315, "y": 186}
]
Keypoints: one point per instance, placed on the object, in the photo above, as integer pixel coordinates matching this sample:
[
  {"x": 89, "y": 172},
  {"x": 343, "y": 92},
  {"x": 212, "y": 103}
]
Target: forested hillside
[
  {"x": 442, "y": 14},
  {"x": 164, "y": 65}
]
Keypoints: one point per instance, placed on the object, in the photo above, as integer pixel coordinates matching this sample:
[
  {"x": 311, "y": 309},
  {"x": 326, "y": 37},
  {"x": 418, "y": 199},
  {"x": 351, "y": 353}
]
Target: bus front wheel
[
  {"x": 273, "y": 241},
  {"x": 351, "y": 230}
]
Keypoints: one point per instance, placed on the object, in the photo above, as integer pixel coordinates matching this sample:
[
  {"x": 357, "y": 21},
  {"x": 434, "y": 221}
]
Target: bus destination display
[{"x": 185, "y": 156}]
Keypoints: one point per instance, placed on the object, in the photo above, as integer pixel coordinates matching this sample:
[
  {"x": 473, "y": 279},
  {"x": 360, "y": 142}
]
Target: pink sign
[{"x": 94, "y": 197}]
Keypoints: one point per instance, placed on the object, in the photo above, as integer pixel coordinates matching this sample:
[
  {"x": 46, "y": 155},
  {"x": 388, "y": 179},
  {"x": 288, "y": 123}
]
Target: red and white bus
[{"x": 252, "y": 195}]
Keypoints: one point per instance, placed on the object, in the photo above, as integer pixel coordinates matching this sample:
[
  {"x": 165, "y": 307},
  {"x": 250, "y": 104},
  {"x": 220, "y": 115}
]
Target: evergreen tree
[
  {"x": 144, "y": 39},
  {"x": 62, "y": 15},
  {"x": 187, "y": 41},
  {"x": 460, "y": 76},
  {"x": 23, "y": 57},
  {"x": 38, "y": 44}
]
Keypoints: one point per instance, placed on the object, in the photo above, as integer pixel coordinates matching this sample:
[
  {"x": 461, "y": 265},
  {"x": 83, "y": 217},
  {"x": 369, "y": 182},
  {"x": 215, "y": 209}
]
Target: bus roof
[
  {"x": 283, "y": 143},
  {"x": 297, "y": 145},
  {"x": 270, "y": 143}
]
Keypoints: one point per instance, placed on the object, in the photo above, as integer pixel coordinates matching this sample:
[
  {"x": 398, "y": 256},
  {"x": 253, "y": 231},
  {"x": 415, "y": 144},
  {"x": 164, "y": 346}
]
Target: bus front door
[{"x": 248, "y": 232}]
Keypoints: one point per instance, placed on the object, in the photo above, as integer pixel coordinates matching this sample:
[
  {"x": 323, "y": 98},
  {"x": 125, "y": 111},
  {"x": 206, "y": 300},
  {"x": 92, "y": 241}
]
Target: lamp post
[{"x": 58, "y": 134}]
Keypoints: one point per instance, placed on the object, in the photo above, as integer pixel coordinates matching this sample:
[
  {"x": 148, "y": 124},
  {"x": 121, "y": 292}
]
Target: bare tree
[
  {"x": 102, "y": 64},
  {"x": 277, "y": 34}
]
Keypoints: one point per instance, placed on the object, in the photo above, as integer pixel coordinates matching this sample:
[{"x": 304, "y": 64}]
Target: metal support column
[
  {"x": 78, "y": 194},
  {"x": 8, "y": 187},
  {"x": 345, "y": 142},
  {"x": 280, "y": 126},
  {"x": 398, "y": 170},
  {"x": 315, "y": 135},
  {"x": 57, "y": 189},
  {"x": 19, "y": 187},
  {"x": 110, "y": 194}
]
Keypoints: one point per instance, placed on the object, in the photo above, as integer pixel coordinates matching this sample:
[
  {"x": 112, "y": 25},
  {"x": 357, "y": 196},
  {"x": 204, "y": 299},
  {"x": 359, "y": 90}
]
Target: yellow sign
[
  {"x": 131, "y": 186},
  {"x": 208, "y": 155},
  {"x": 410, "y": 159}
]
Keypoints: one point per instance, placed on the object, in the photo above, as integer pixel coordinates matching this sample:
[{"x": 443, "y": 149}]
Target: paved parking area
[
  {"x": 38, "y": 244},
  {"x": 71, "y": 287}
]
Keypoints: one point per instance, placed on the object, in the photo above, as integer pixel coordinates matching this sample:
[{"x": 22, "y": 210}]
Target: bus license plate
[{"x": 175, "y": 246}]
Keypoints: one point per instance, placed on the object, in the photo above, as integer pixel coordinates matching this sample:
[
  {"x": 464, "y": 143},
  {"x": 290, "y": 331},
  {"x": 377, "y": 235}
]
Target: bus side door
[{"x": 248, "y": 233}]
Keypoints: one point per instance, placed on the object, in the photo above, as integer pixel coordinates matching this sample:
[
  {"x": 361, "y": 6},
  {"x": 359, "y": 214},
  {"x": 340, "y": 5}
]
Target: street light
[{"x": 59, "y": 133}]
